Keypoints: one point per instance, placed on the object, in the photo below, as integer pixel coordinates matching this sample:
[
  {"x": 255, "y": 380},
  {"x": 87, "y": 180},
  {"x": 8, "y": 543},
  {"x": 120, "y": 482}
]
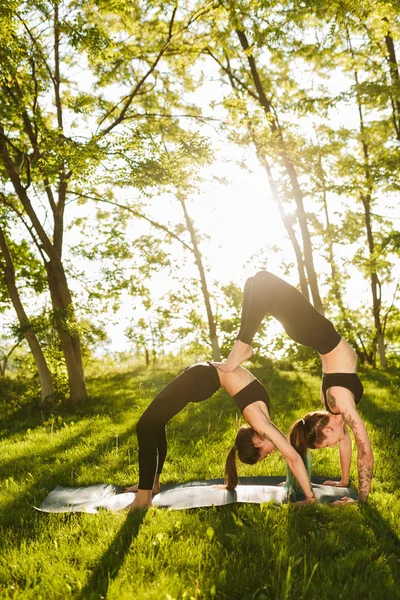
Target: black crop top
[
  {"x": 350, "y": 381},
  {"x": 253, "y": 392}
]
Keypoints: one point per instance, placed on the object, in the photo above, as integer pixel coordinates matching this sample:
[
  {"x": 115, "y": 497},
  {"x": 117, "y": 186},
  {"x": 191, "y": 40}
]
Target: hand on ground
[
  {"x": 344, "y": 500},
  {"x": 336, "y": 483},
  {"x": 219, "y": 486}
]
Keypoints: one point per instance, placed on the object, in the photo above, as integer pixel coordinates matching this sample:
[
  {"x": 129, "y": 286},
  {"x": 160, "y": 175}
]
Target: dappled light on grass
[{"x": 233, "y": 552}]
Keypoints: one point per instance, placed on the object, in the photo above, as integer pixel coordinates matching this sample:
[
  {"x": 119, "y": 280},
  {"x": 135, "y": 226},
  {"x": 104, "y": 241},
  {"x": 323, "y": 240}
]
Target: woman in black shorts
[
  {"x": 341, "y": 388},
  {"x": 254, "y": 443}
]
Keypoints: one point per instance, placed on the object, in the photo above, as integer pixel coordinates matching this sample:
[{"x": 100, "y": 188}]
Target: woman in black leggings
[
  {"x": 254, "y": 443},
  {"x": 341, "y": 388}
]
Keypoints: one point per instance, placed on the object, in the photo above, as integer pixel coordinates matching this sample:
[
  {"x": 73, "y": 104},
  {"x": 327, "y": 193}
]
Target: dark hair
[
  {"x": 307, "y": 432},
  {"x": 304, "y": 434},
  {"x": 247, "y": 453}
]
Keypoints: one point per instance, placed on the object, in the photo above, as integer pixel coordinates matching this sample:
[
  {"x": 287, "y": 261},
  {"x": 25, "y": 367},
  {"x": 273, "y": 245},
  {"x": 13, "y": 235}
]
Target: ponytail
[
  {"x": 299, "y": 443},
  {"x": 304, "y": 434},
  {"x": 231, "y": 476},
  {"x": 247, "y": 452},
  {"x": 298, "y": 439}
]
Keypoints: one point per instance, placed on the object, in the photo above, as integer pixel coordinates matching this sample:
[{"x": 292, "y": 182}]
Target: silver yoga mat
[{"x": 197, "y": 494}]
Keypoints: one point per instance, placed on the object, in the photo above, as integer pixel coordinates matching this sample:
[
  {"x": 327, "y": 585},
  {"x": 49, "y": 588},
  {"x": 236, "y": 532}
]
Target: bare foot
[
  {"x": 138, "y": 506},
  {"x": 142, "y": 501},
  {"x": 239, "y": 353},
  {"x": 133, "y": 489}
]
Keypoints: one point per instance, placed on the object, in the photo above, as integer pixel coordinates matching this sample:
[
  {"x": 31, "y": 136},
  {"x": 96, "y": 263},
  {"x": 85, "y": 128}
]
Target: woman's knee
[{"x": 262, "y": 276}]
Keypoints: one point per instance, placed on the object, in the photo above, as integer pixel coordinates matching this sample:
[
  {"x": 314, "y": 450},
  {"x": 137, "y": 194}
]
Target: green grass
[{"x": 233, "y": 552}]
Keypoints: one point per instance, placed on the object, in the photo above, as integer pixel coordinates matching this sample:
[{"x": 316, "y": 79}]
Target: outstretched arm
[
  {"x": 260, "y": 422},
  {"x": 365, "y": 457},
  {"x": 345, "y": 449}
]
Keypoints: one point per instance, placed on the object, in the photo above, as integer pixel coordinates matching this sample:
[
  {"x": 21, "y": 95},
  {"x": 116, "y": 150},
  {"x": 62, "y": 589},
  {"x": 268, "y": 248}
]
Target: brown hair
[
  {"x": 247, "y": 453},
  {"x": 307, "y": 432}
]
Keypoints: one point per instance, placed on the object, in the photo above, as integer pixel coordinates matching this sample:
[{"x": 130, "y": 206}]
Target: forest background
[{"x": 155, "y": 154}]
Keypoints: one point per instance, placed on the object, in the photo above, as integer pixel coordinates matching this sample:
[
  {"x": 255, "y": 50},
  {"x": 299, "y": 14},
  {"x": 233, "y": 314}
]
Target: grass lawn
[{"x": 234, "y": 552}]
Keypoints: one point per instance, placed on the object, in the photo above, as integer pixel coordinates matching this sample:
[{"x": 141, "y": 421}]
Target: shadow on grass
[
  {"x": 19, "y": 420},
  {"x": 389, "y": 378},
  {"x": 245, "y": 549},
  {"x": 108, "y": 566},
  {"x": 350, "y": 549},
  {"x": 108, "y": 394},
  {"x": 380, "y": 416},
  {"x": 19, "y": 509}
]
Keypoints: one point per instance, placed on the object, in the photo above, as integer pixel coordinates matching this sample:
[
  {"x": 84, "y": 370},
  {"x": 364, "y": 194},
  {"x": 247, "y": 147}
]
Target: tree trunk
[
  {"x": 47, "y": 390},
  {"x": 65, "y": 324},
  {"x": 59, "y": 292},
  {"x": 276, "y": 197},
  {"x": 366, "y": 199},
  {"x": 290, "y": 170},
  {"x": 337, "y": 293},
  {"x": 216, "y": 352},
  {"x": 375, "y": 285},
  {"x": 395, "y": 77},
  {"x": 286, "y": 222}
]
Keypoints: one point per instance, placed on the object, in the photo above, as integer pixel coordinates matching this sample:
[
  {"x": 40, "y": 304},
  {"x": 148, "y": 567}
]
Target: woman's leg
[
  {"x": 195, "y": 384},
  {"x": 245, "y": 305},
  {"x": 150, "y": 431},
  {"x": 302, "y": 322},
  {"x": 241, "y": 351},
  {"x": 162, "y": 447}
]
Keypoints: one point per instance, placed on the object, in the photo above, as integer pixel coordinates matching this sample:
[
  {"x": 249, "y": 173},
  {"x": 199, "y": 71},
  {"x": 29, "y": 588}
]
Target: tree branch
[
  {"x": 170, "y": 38},
  {"x": 22, "y": 195},
  {"x": 136, "y": 214},
  {"x": 232, "y": 76}
]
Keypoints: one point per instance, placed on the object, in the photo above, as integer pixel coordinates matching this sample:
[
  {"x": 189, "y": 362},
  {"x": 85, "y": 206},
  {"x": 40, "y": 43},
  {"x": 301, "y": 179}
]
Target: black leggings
[
  {"x": 265, "y": 293},
  {"x": 195, "y": 384}
]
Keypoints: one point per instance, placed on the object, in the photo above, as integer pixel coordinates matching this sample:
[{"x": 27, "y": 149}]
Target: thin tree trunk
[
  {"x": 58, "y": 286},
  {"x": 216, "y": 352},
  {"x": 274, "y": 191},
  {"x": 366, "y": 199},
  {"x": 4, "y": 359},
  {"x": 375, "y": 284},
  {"x": 290, "y": 170},
  {"x": 67, "y": 330},
  {"x": 395, "y": 77},
  {"x": 337, "y": 293},
  {"x": 47, "y": 390},
  {"x": 286, "y": 222}
]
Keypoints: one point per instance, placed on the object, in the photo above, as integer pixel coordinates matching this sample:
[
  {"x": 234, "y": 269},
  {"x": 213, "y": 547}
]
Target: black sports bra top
[
  {"x": 350, "y": 381},
  {"x": 253, "y": 392}
]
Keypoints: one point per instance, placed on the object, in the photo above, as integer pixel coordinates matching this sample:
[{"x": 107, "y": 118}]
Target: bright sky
[{"x": 240, "y": 219}]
